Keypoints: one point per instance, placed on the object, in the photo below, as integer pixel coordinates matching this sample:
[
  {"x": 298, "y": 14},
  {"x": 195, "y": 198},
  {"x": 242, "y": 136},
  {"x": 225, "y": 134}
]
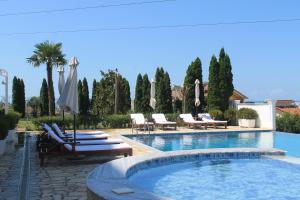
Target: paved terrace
[{"x": 65, "y": 179}]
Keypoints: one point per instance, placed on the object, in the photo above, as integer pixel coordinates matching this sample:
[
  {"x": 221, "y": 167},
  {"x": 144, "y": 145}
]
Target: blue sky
[{"x": 264, "y": 56}]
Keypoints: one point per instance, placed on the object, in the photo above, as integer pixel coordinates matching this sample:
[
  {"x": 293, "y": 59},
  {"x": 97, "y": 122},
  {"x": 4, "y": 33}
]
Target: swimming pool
[
  {"x": 187, "y": 141},
  {"x": 222, "y": 179}
]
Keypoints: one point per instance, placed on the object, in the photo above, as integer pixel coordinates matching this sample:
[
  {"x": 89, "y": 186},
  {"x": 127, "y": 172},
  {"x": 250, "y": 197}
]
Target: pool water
[
  {"x": 173, "y": 142},
  {"x": 226, "y": 179}
]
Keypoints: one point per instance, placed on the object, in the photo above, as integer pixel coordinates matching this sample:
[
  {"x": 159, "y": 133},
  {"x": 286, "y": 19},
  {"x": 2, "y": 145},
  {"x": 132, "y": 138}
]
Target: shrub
[
  {"x": 12, "y": 119},
  {"x": 68, "y": 123},
  {"x": 116, "y": 121},
  {"x": 288, "y": 123},
  {"x": 3, "y": 129},
  {"x": 174, "y": 117},
  {"x": 230, "y": 116},
  {"x": 216, "y": 114},
  {"x": 246, "y": 113}
]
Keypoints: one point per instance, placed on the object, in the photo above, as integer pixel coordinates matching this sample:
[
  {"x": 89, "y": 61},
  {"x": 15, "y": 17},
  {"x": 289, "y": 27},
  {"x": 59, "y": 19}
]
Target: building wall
[{"x": 266, "y": 113}]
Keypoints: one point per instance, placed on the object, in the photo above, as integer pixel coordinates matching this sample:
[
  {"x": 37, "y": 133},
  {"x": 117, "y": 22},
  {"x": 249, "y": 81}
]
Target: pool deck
[{"x": 66, "y": 179}]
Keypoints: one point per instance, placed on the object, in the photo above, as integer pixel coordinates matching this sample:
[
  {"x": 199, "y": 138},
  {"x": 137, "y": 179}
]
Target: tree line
[{"x": 111, "y": 94}]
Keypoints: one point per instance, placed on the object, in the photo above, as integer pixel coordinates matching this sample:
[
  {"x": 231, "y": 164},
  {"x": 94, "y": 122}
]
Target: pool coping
[{"x": 113, "y": 175}]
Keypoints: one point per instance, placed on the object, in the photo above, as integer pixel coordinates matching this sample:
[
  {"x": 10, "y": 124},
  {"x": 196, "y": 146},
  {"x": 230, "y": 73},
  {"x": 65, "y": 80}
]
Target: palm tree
[{"x": 50, "y": 54}]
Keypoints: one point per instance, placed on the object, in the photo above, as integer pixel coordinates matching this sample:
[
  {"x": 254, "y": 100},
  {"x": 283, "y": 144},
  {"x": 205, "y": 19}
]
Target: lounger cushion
[
  {"x": 90, "y": 148},
  {"x": 138, "y": 118},
  {"x": 86, "y": 137},
  {"x": 206, "y": 117},
  {"x": 161, "y": 119},
  {"x": 61, "y": 134},
  {"x": 106, "y": 141}
]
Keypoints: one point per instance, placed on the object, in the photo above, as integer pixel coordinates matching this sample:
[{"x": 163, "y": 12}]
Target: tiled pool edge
[{"x": 114, "y": 174}]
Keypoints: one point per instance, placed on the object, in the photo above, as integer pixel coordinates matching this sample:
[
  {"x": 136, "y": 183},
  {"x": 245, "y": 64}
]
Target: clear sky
[{"x": 265, "y": 56}]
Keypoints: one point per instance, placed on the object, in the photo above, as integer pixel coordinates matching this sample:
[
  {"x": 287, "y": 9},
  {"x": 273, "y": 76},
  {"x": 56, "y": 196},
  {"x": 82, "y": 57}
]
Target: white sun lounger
[
  {"x": 77, "y": 149},
  {"x": 208, "y": 119},
  {"x": 57, "y": 129},
  {"x": 139, "y": 122},
  {"x": 190, "y": 121},
  {"x": 79, "y": 136},
  {"x": 160, "y": 120}
]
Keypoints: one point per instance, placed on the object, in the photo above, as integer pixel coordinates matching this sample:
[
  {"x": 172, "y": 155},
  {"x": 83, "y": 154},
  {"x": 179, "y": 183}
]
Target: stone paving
[
  {"x": 10, "y": 165},
  {"x": 63, "y": 178}
]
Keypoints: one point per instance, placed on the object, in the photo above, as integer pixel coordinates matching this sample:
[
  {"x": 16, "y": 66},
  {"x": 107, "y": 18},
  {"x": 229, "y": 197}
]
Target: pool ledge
[{"x": 113, "y": 175}]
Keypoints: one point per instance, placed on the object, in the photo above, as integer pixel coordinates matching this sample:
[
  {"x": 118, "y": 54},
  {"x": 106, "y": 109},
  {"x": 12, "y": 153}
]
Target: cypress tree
[
  {"x": 138, "y": 94},
  {"x": 22, "y": 97},
  {"x": 167, "y": 108},
  {"x": 124, "y": 95},
  {"x": 193, "y": 72},
  {"x": 80, "y": 97},
  {"x": 44, "y": 106},
  {"x": 146, "y": 87},
  {"x": 225, "y": 80},
  {"x": 15, "y": 93},
  {"x": 213, "y": 85},
  {"x": 94, "y": 92},
  {"x": 159, "y": 89},
  {"x": 86, "y": 99}
]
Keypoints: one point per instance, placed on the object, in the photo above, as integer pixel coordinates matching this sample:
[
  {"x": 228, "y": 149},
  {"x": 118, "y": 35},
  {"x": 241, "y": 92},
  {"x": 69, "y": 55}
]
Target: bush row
[
  {"x": 288, "y": 123},
  {"x": 8, "y": 122}
]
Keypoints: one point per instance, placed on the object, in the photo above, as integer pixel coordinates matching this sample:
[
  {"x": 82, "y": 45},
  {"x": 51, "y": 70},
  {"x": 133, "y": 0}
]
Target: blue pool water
[
  {"x": 172, "y": 142},
  {"x": 225, "y": 179}
]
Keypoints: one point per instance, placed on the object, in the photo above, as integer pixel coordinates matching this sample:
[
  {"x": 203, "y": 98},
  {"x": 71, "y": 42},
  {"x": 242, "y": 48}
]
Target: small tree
[
  {"x": 44, "y": 102},
  {"x": 18, "y": 97},
  {"x": 15, "y": 93},
  {"x": 138, "y": 94},
  {"x": 34, "y": 103},
  {"x": 146, "y": 86},
  {"x": 159, "y": 89},
  {"x": 168, "y": 108},
  {"x": 86, "y": 99}
]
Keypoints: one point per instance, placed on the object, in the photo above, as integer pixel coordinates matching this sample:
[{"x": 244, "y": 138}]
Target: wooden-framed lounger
[
  {"x": 139, "y": 122},
  {"x": 72, "y": 148},
  {"x": 161, "y": 121},
  {"x": 208, "y": 119},
  {"x": 191, "y": 122},
  {"x": 79, "y": 135}
]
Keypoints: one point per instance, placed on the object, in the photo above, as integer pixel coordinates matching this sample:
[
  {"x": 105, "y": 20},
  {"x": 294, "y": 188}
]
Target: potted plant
[{"x": 247, "y": 117}]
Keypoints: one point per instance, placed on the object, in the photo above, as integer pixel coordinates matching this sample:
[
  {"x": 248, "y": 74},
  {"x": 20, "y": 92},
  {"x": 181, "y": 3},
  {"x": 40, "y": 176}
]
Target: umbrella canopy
[
  {"x": 69, "y": 96},
  {"x": 197, "y": 93},
  {"x": 152, "y": 94},
  {"x": 61, "y": 79}
]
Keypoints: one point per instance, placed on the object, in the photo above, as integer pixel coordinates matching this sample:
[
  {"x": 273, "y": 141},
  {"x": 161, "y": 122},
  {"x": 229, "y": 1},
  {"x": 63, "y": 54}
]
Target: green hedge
[
  {"x": 116, "y": 121},
  {"x": 8, "y": 122},
  {"x": 246, "y": 113},
  {"x": 288, "y": 123}
]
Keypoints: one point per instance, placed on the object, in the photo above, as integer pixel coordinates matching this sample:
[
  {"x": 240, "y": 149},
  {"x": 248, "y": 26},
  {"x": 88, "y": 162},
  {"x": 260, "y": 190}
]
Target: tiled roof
[{"x": 292, "y": 111}]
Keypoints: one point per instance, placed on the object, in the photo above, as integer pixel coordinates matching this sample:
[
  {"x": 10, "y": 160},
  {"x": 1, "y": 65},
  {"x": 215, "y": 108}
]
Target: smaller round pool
[{"x": 222, "y": 179}]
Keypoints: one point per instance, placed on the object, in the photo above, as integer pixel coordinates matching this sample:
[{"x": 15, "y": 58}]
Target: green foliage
[
  {"x": 177, "y": 106},
  {"x": 50, "y": 54},
  {"x": 3, "y": 129},
  {"x": 94, "y": 90},
  {"x": 80, "y": 98},
  {"x": 138, "y": 100},
  {"x": 18, "y": 96},
  {"x": 225, "y": 80},
  {"x": 193, "y": 72},
  {"x": 163, "y": 92},
  {"x": 34, "y": 103},
  {"x": 216, "y": 114},
  {"x": 8, "y": 122},
  {"x": 230, "y": 116},
  {"x": 116, "y": 121},
  {"x": 104, "y": 100},
  {"x": 44, "y": 106},
  {"x": 288, "y": 123},
  {"x": 213, "y": 99},
  {"x": 246, "y": 113},
  {"x": 85, "y": 97}
]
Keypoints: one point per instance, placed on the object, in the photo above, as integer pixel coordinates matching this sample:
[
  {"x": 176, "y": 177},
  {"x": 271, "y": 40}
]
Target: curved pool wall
[{"x": 114, "y": 175}]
